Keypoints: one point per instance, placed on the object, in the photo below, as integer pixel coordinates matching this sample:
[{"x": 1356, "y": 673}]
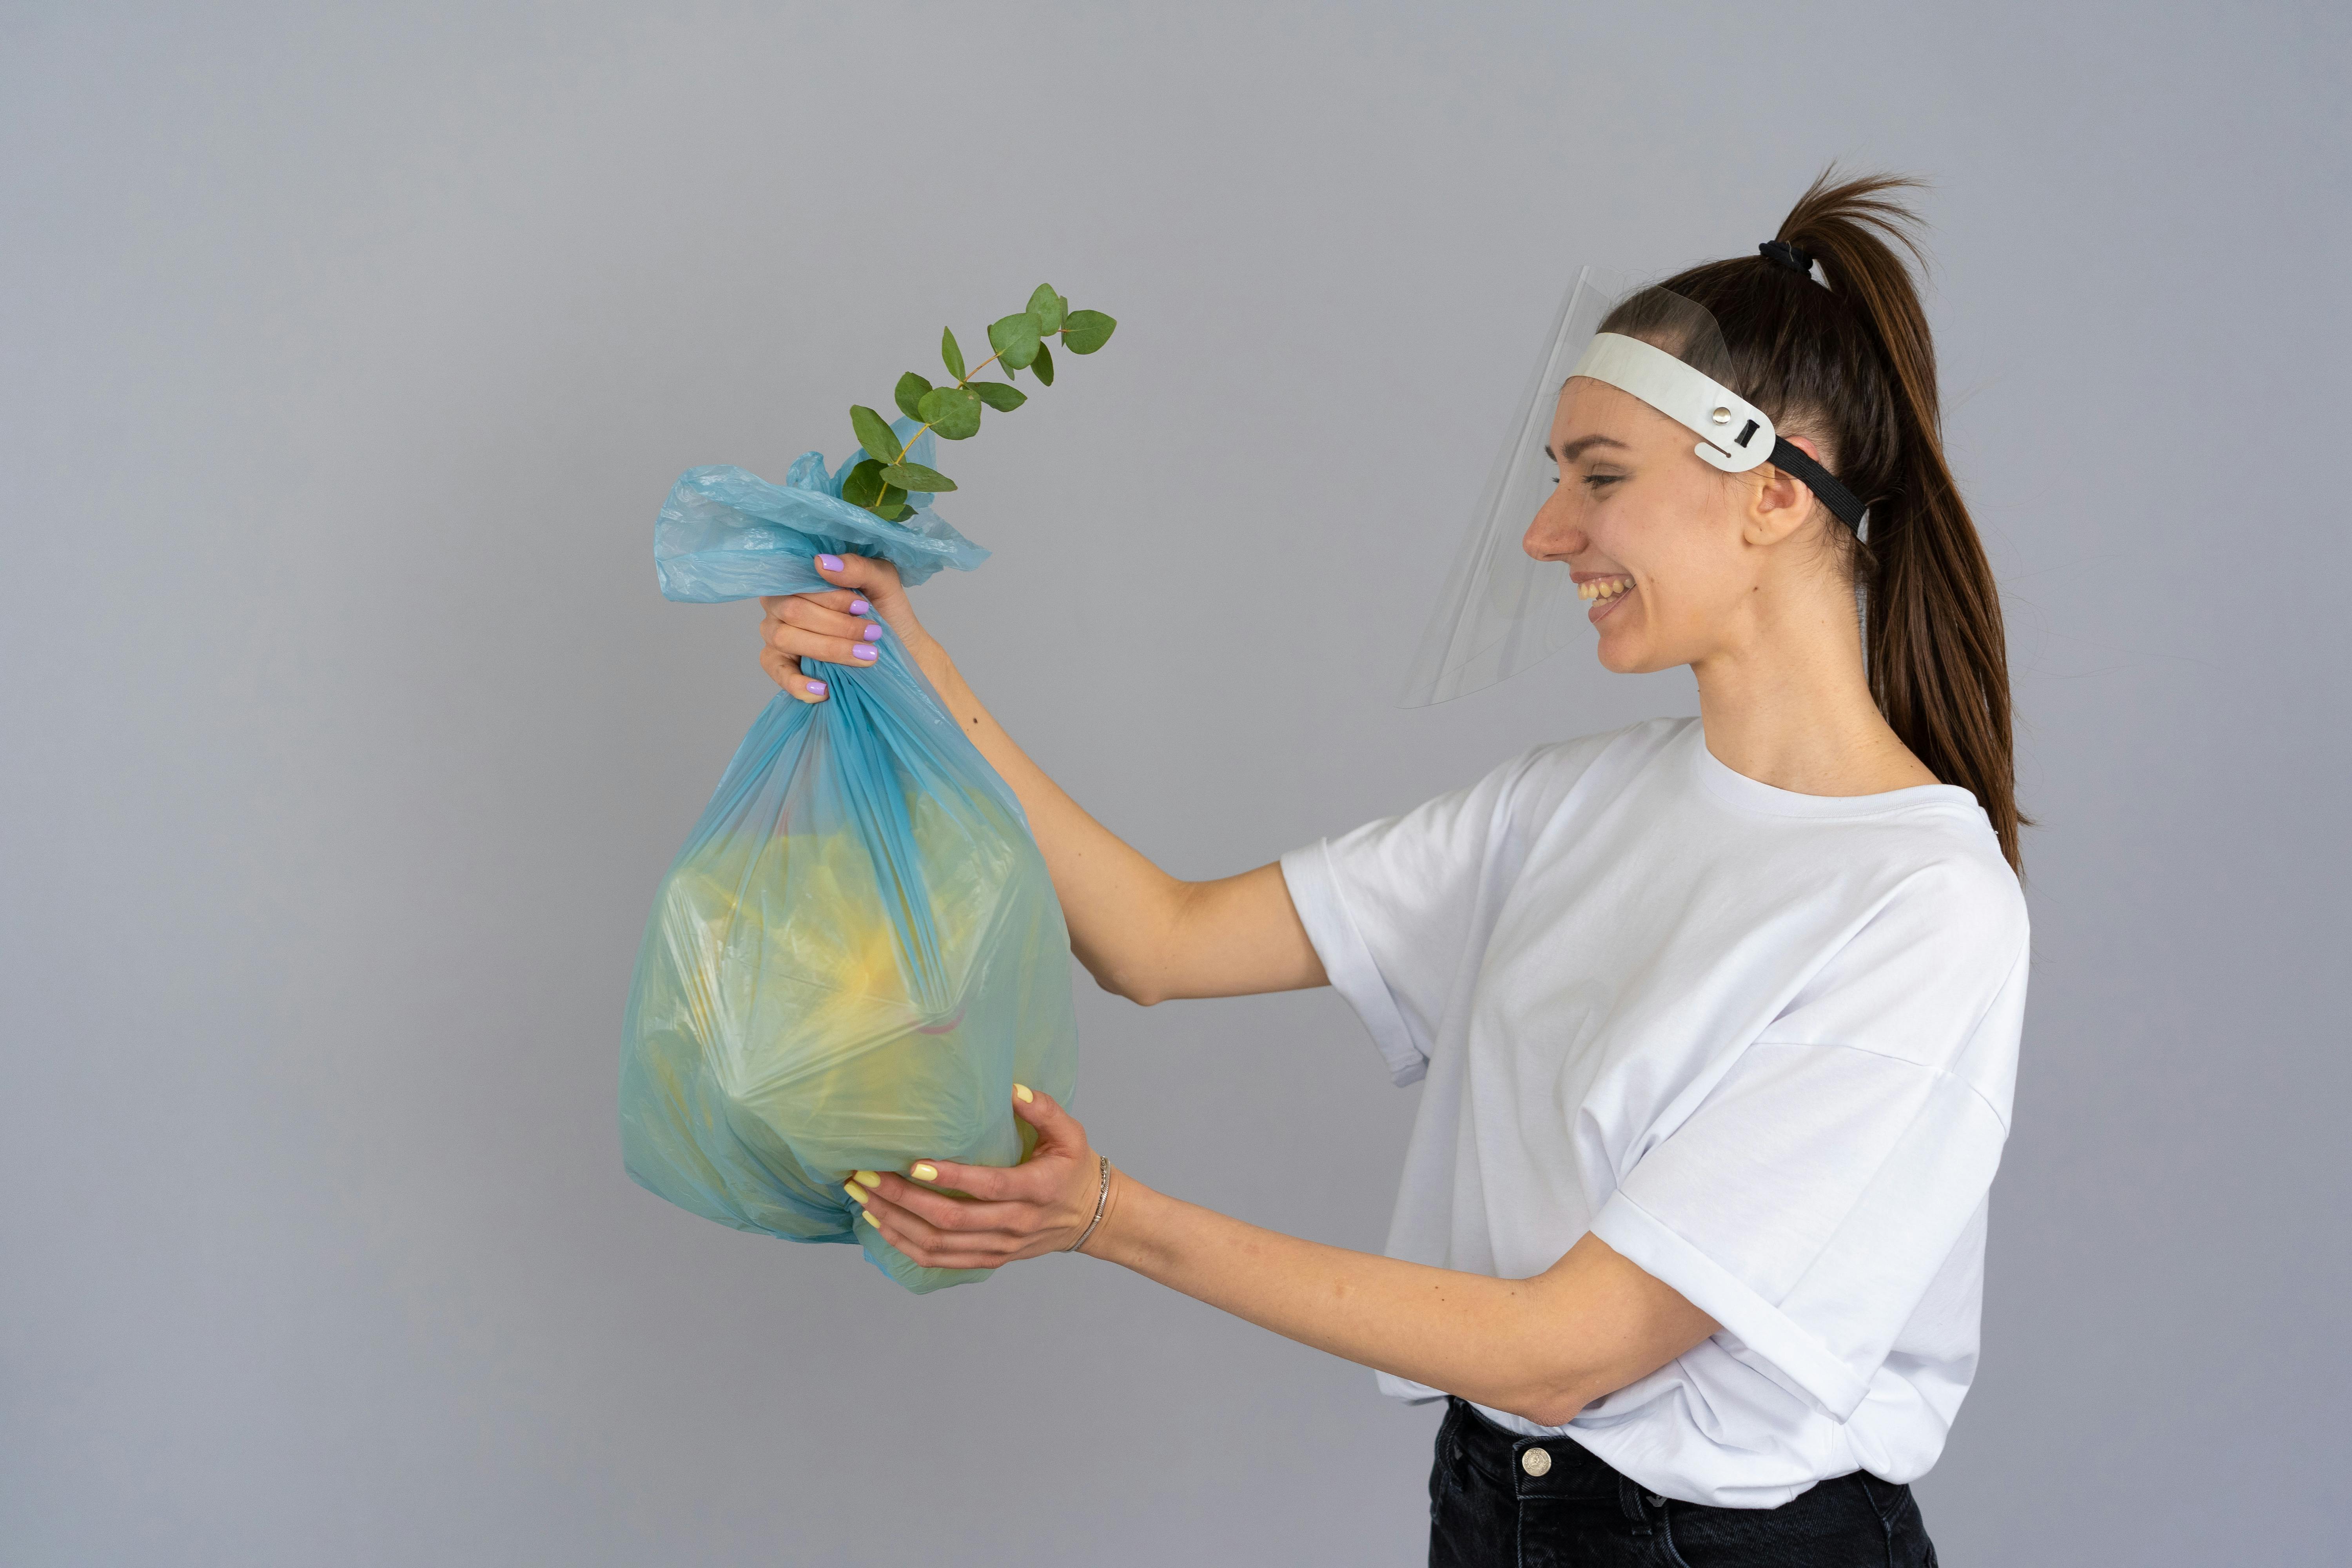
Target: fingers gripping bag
[{"x": 858, "y": 951}]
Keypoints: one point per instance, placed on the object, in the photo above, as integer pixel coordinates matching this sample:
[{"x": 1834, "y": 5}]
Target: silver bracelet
[{"x": 1102, "y": 1202}]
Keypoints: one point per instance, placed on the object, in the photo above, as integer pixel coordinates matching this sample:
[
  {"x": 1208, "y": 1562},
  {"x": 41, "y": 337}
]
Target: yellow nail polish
[
  {"x": 869, "y": 1178},
  {"x": 856, "y": 1195},
  {"x": 867, "y": 1216},
  {"x": 1021, "y": 1091},
  {"x": 925, "y": 1171}
]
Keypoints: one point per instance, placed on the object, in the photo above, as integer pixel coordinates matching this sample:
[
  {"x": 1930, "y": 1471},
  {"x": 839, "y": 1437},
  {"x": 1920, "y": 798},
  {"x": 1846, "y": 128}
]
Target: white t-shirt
[{"x": 1761, "y": 1043}]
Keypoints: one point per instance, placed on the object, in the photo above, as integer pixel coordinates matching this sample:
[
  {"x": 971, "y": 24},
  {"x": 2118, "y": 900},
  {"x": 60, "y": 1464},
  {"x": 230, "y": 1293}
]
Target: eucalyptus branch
[{"x": 881, "y": 484}]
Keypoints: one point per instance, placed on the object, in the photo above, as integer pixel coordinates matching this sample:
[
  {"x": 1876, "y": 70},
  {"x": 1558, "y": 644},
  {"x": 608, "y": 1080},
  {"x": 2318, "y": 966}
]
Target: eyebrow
[{"x": 1578, "y": 448}]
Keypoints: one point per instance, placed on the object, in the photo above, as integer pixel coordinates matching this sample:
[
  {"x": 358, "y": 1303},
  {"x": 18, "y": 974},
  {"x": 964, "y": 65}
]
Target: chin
[{"x": 1621, "y": 655}]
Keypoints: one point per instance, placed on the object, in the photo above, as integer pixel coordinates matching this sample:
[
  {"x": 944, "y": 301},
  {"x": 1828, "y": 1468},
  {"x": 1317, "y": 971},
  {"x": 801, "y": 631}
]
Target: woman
[{"x": 1719, "y": 1017}]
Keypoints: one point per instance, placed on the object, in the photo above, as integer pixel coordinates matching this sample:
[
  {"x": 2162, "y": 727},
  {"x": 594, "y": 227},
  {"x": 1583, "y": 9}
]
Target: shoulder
[
  {"x": 1552, "y": 770},
  {"x": 1950, "y": 954},
  {"x": 1564, "y": 781},
  {"x": 1502, "y": 810},
  {"x": 1931, "y": 964},
  {"x": 1944, "y": 870},
  {"x": 1930, "y": 904}
]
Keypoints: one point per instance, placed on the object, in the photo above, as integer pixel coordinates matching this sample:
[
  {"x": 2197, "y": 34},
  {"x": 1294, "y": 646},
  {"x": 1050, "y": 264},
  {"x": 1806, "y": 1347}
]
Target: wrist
[
  {"x": 1114, "y": 1240},
  {"x": 932, "y": 659}
]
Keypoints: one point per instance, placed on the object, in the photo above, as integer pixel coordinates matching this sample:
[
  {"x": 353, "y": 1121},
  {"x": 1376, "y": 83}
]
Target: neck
[{"x": 1787, "y": 703}]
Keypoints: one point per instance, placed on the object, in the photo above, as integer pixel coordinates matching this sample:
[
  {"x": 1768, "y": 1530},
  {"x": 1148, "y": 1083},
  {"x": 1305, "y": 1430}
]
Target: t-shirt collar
[{"x": 1753, "y": 795}]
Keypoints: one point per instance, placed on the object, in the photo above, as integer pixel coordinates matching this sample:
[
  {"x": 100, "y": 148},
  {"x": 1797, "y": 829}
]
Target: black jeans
[{"x": 1487, "y": 1506}]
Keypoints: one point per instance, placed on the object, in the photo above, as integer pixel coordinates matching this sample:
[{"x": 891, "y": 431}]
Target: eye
[{"x": 1598, "y": 483}]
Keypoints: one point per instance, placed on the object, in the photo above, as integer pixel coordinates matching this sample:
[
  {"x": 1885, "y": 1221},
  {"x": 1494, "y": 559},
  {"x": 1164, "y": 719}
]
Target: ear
[{"x": 1780, "y": 504}]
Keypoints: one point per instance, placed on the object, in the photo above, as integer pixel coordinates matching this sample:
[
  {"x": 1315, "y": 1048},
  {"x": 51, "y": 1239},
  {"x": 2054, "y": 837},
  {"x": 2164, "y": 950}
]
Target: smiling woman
[
  {"x": 1718, "y": 1018},
  {"x": 1844, "y": 377}
]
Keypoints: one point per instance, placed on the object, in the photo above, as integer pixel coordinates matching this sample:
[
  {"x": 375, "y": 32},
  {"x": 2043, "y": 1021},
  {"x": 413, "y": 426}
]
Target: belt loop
[{"x": 1629, "y": 1499}]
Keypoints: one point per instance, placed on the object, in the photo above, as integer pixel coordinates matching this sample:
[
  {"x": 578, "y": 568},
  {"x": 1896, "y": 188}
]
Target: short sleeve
[
  {"x": 1823, "y": 1187},
  {"x": 1392, "y": 907}
]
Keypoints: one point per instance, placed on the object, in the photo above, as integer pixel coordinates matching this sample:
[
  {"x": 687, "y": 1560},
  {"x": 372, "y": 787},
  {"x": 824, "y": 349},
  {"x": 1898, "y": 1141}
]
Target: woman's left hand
[{"x": 1041, "y": 1206}]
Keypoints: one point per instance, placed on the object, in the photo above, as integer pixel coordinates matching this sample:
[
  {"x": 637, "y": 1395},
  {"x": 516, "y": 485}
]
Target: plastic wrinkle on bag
[{"x": 858, "y": 951}]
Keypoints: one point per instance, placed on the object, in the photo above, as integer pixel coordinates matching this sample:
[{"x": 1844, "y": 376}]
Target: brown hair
[{"x": 1852, "y": 365}]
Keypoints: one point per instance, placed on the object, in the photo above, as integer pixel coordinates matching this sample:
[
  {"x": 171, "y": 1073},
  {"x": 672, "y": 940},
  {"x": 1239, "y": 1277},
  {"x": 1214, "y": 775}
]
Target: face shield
[{"x": 1501, "y": 609}]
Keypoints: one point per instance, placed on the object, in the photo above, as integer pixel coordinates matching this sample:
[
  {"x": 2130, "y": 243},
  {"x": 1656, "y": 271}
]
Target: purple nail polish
[
  {"x": 865, "y": 650},
  {"x": 874, "y": 634},
  {"x": 859, "y": 606},
  {"x": 830, "y": 562},
  {"x": 817, "y": 687}
]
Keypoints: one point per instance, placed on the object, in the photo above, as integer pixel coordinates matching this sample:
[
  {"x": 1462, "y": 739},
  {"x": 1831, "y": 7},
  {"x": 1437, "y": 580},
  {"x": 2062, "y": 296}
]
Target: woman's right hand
[{"x": 832, "y": 624}]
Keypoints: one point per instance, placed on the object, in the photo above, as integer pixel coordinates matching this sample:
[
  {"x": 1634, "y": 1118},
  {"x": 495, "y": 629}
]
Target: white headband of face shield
[{"x": 1734, "y": 433}]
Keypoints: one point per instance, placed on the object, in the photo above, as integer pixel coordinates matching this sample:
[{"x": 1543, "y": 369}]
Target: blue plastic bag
[{"x": 858, "y": 951}]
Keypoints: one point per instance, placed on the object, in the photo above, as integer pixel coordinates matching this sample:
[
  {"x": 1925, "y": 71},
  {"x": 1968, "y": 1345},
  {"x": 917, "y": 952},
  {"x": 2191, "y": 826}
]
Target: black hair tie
[{"x": 1795, "y": 258}]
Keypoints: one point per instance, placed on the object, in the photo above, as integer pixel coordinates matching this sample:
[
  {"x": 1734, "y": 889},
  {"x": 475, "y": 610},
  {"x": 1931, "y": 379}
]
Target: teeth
[{"x": 1608, "y": 588}]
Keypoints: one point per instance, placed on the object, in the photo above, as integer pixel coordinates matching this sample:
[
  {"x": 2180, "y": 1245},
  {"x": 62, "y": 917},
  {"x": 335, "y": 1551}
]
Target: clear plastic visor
[{"x": 1501, "y": 609}]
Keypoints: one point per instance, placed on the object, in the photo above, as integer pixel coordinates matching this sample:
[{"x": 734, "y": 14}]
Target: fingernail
[
  {"x": 925, "y": 1171},
  {"x": 817, "y": 687},
  {"x": 1021, "y": 1092},
  {"x": 858, "y": 607},
  {"x": 864, "y": 650},
  {"x": 869, "y": 1178},
  {"x": 867, "y": 1216},
  {"x": 830, "y": 562},
  {"x": 856, "y": 1197},
  {"x": 874, "y": 634}
]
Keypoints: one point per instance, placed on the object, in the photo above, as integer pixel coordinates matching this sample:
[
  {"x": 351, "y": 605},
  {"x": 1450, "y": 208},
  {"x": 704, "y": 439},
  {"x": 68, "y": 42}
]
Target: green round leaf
[
  {"x": 1048, "y": 307},
  {"x": 1087, "y": 331},
  {"x": 1043, "y": 364},
  {"x": 874, "y": 434},
  {"x": 1002, "y": 398},
  {"x": 1014, "y": 339},
  {"x": 951, "y": 412},
  {"x": 908, "y": 393},
  {"x": 914, "y": 477},
  {"x": 892, "y": 511},
  {"x": 862, "y": 486},
  {"x": 953, "y": 355}
]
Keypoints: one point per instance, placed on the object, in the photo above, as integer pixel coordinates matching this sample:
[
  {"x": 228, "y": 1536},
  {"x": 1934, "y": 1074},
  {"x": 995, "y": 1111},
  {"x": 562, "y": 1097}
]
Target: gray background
[{"x": 348, "y": 353}]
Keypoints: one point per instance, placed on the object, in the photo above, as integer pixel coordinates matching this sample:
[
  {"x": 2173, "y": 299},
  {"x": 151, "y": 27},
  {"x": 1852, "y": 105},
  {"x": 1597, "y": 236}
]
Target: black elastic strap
[
  {"x": 1795, "y": 258},
  {"x": 1820, "y": 480}
]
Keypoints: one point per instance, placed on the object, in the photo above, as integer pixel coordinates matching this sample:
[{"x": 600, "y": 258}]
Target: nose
[{"x": 1554, "y": 535}]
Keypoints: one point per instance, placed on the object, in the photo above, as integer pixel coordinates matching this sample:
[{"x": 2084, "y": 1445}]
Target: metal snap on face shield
[{"x": 1502, "y": 610}]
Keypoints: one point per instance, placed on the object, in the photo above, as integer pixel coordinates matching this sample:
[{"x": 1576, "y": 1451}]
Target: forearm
[
  {"x": 1124, "y": 913},
  {"x": 1543, "y": 1347},
  {"x": 1140, "y": 932}
]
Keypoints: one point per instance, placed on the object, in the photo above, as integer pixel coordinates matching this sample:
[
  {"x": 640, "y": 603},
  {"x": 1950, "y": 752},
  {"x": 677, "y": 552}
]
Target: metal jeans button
[{"x": 1536, "y": 1461}]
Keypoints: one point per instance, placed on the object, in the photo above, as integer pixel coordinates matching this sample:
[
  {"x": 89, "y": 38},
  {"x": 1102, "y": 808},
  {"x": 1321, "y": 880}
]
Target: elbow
[
  {"x": 1555, "y": 1410},
  {"x": 1139, "y": 963},
  {"x": 1547, "y": 1402},
  {"x": 1134, "y": 988}
]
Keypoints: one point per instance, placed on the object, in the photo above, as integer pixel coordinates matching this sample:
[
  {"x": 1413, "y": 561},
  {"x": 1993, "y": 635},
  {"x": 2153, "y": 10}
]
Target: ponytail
[{"x": 1854, "y": 366}]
